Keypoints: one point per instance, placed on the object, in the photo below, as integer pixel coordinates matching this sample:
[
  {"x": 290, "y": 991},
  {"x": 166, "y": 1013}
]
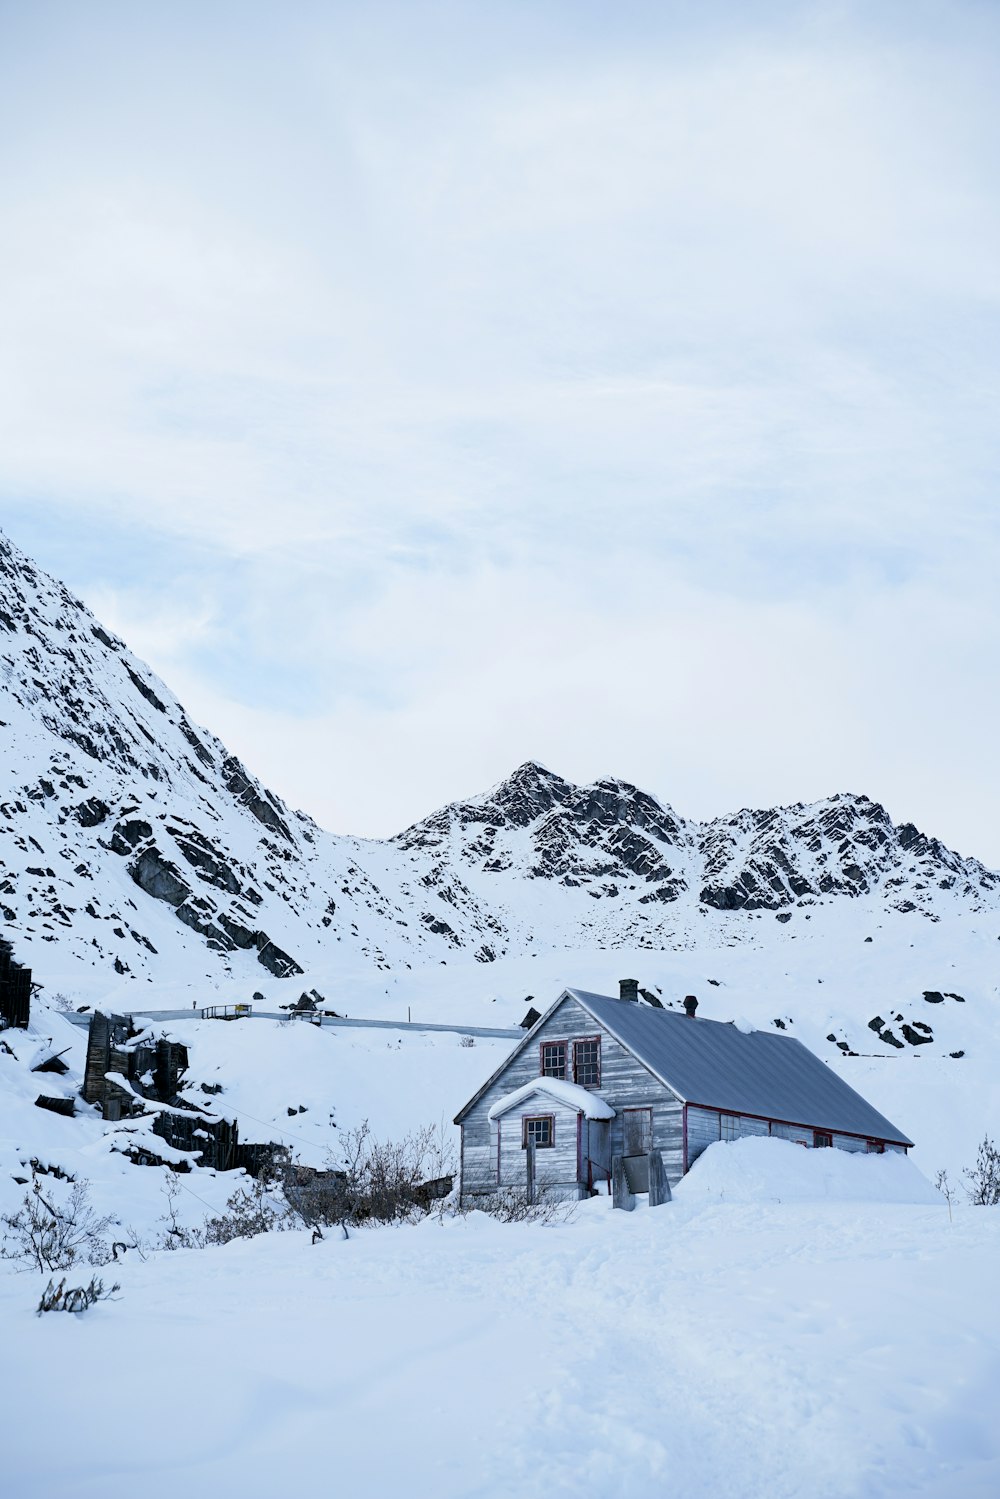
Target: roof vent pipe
[
  {"x": 690, "y": 1005},
  {"x": 629, "y": 989}
]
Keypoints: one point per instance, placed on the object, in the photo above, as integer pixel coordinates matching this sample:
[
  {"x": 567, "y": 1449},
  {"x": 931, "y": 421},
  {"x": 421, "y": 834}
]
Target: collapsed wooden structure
[
  {"x": 129, "y": 1073},
  {"x": 15, "y": 989}
]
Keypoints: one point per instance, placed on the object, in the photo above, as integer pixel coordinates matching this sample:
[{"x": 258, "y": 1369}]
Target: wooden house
[{"x": 597, "y": 1077}]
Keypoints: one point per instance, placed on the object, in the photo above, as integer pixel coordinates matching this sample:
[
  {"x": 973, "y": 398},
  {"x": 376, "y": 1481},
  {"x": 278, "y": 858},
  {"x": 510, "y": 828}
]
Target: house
[{"x": 598, "y": 1077}]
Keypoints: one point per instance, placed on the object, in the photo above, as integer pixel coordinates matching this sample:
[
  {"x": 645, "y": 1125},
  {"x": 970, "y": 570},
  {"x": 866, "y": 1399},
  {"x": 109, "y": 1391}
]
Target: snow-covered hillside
[{"x": 759, "y": 1337}]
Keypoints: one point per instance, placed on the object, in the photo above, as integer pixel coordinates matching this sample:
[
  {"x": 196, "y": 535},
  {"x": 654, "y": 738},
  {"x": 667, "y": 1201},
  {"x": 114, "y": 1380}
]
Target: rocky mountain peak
[{"x": 131, "y": 840}]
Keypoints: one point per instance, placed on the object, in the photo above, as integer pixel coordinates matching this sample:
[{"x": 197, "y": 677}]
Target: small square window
[
  {"x": 553, "y": 1059},
  {"x": 729, "y": 1126},
  {"x": 822, "y": 1139},
  {"x": 587, "y": 1063},
  {"x": 876, "y": 1147},
  {"x": 538, "y": 1131}
]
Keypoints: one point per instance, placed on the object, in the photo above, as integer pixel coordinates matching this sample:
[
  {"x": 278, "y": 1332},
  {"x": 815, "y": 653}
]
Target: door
[{"x": 638, "y": 1126}]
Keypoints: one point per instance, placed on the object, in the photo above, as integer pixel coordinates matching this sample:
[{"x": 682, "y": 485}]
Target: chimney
[
  {"x": 629, "y": 989},
  {"x": 690, "y": 1005}
]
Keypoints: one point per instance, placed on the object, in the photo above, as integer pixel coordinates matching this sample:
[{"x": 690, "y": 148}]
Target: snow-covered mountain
[{"x": 134, "y": 845}]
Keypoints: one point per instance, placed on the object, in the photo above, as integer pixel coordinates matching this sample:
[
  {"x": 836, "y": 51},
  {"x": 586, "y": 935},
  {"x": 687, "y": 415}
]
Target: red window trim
[
  {"x": 822, "y": 1139},
  {"x": 541, "y": 1057},
  {"x": 577, "y": 1040},
  {"x": 531, "y": 1118}
]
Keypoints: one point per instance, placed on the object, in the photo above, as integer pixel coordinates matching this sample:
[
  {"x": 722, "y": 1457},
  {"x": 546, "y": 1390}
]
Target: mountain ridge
[{"x": 133, "y": 842}]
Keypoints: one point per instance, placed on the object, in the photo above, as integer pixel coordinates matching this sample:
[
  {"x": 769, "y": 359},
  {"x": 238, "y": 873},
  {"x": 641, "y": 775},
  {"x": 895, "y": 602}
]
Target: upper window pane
[
  {"x": 587, "y": 1063},
  {"x": 553, "y": 1059}
]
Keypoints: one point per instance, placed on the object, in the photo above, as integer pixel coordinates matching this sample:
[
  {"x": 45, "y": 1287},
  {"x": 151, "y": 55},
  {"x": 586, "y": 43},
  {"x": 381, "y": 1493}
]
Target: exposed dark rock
[
  {"x": 274, "y": 960},
  {"x": 92, "y": 812},
  {"x": 159, "y": 878},
  {"x": 264, "y": 807},
  {"x": 201, "y": 750},
  {"x": 144, "y": 689},
  {"x": 240, "y": 936},
  {"x": 207, "y": 860}
]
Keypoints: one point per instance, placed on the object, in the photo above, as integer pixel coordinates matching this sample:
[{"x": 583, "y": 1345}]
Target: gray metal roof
[{"x": 713, "y": 1063}]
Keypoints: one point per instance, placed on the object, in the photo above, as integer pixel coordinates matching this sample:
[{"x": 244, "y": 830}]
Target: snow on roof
[
  {"x": 588, "y": 1104},
  {"x": 713, "y": 1063}
]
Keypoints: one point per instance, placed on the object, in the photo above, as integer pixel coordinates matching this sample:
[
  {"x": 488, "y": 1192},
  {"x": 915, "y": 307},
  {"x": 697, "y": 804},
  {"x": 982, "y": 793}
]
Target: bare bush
[
  {"x": 251, "y": 1210},
  {"x": 509, "y": 1202},
  {"x": 366, "y": 1180},
  {"x": 984, "y": 1176},
  {"x": 46, "y": 1235},
  {"x": 371, "y": 1181},
  {"x": 78, "y": 1299},
  {"x": 947, "y": 1191},
  {"x": 467, "y": 1041},
  {"x": 175, "y": 1234}
]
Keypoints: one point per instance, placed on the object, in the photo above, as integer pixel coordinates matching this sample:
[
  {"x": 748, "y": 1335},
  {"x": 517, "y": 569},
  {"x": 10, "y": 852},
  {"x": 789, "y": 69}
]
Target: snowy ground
[{"x": 822, "y": 1348}]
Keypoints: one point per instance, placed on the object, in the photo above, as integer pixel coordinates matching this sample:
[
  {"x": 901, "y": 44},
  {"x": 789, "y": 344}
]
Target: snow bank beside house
[{"x": 765, "y": 1170}]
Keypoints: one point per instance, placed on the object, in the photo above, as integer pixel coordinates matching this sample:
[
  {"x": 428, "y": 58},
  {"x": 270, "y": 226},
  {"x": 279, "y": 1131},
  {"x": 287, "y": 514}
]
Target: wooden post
[
  {"x": 659, "y": 1187},
  {"x": 529, "y": 1166},
  {"x": 621, "y": 1195}
]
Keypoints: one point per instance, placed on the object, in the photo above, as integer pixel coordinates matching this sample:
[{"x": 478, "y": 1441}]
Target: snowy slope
[{"x": 817, "y": 1349}]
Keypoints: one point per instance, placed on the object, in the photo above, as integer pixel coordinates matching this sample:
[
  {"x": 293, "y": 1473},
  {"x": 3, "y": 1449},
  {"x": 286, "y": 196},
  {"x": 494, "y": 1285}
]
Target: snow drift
[{"x": 764, "y": 1170}]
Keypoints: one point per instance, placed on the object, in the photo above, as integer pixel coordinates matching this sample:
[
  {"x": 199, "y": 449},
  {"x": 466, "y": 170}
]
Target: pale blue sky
[{"x": 423, "y": 388}]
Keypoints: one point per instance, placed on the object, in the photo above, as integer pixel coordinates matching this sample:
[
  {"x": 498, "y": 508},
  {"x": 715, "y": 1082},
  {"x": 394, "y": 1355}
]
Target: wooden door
[{"x": 638, "y": 1126}]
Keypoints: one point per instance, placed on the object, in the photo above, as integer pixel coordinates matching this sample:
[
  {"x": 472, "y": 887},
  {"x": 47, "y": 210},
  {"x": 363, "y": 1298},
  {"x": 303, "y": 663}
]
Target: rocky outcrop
[{"x": 159, "y": 878}]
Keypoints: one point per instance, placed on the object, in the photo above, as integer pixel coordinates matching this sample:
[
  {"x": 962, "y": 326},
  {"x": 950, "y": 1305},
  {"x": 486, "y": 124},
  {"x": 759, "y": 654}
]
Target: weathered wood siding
[
  {"x": 796, "y": 1133},
  {"x": 553, "y": 1164},
  {"x": 705, "y": 1127},
  {"x": 850, "y": 1142},
  {"x": 625, "y": 1083}
]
